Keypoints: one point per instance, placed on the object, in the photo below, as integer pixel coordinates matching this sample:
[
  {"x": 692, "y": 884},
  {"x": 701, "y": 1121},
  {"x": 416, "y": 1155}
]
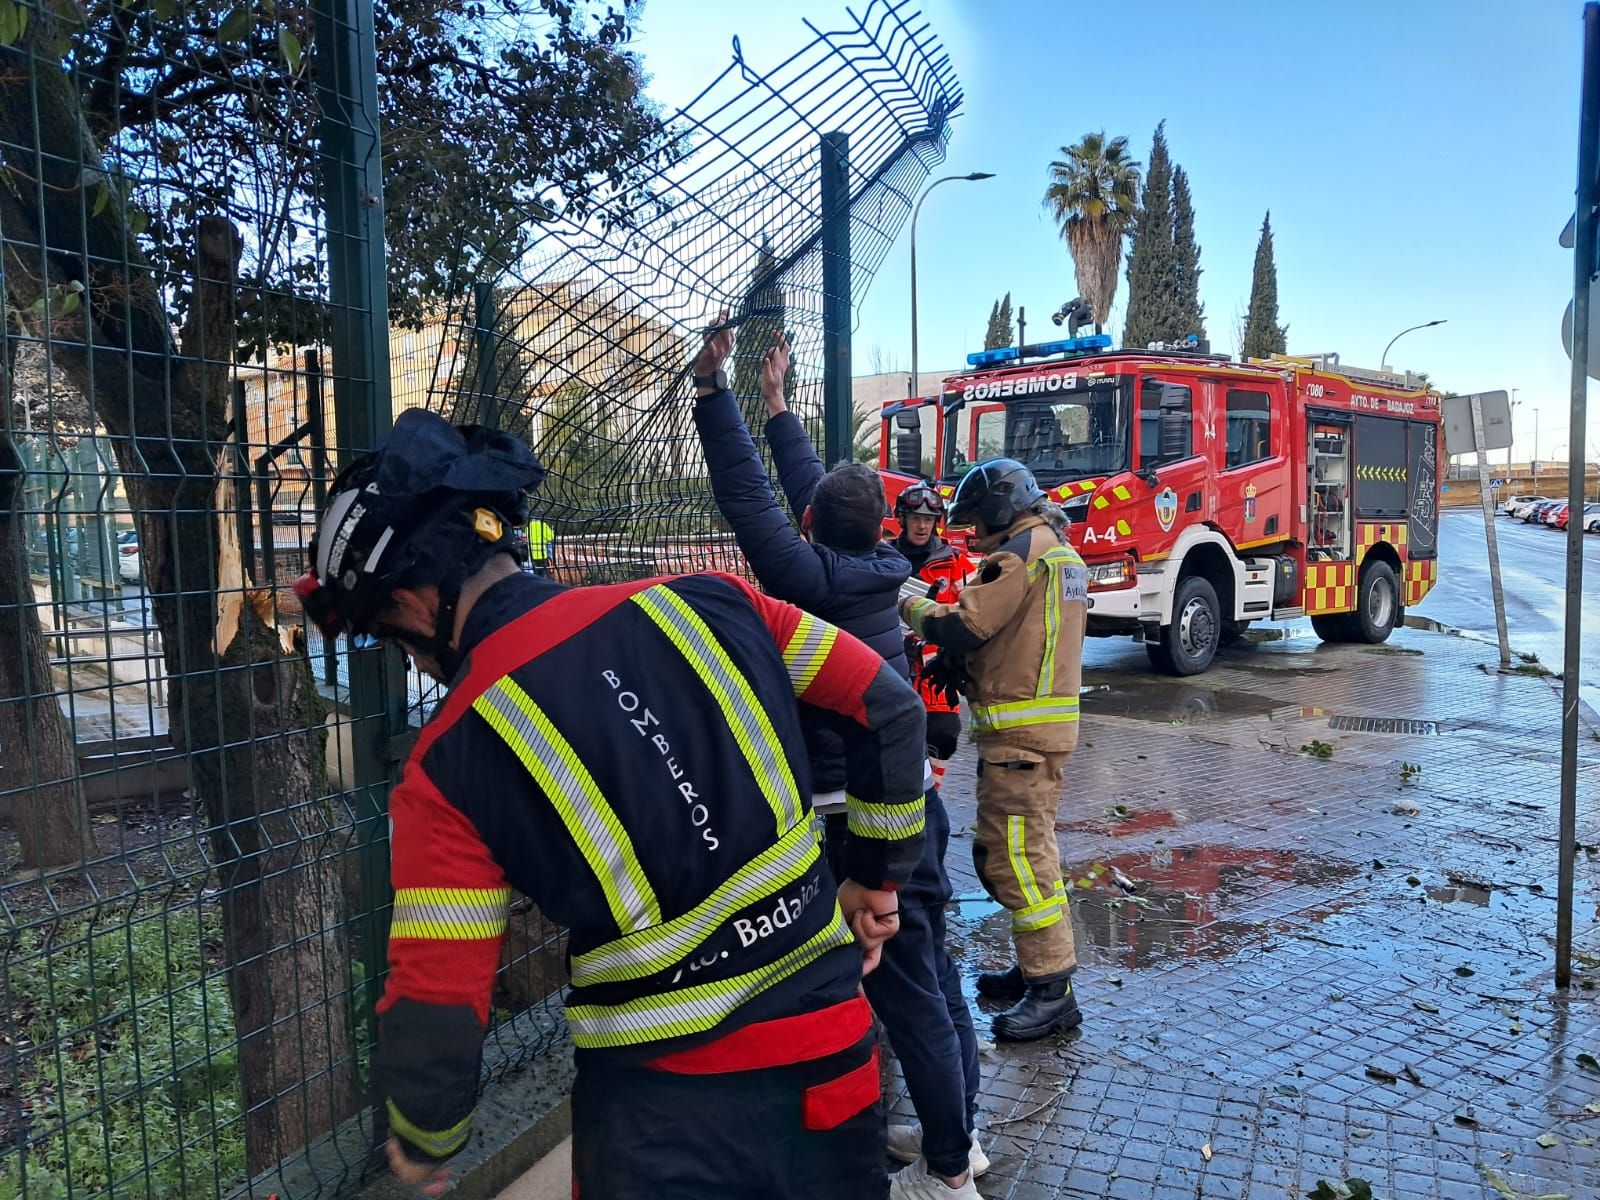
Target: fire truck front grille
[{"x": 1382, "y": 725}]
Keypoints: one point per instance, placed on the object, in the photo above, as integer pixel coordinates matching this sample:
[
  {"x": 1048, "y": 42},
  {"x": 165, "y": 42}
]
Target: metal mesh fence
[
  {"x": 197, "y": 332},
  {"x": 581, "y": 326}
]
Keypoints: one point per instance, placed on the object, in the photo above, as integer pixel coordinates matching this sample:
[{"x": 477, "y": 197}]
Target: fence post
[
  {"x": 352, "y": 172},
  {"x": 487, "y": 385},
  {"x": 838, "y": 408}
]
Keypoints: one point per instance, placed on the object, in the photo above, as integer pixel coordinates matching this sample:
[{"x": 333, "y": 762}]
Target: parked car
[
  {"x": 1508, "y": 506},
  {"x": 1521, "y": 509},
  {"x": 128, "y": 565},
  {"x": 1534, "y": 513},
  {"x": 1556, "y": 518},
  {"x": 1592, "y": 524}
]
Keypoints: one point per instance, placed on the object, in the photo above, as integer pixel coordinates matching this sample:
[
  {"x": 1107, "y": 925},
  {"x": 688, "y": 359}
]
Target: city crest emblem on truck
[{"x": 1166, "y": 508}]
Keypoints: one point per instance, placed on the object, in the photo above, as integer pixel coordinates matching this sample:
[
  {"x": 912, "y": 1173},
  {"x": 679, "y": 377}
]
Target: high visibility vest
[{"x": 540, "y": 540}]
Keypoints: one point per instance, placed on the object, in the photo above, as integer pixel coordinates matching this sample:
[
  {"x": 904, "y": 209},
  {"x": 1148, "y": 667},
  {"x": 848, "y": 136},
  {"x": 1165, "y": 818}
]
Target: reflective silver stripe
[
  {"x": 736, "y": 700},
  {"x": 572, "y": 791},
  {"x": 989, "y": 718},
  {"x": 449, "y": 914},
  {"x": 651, "y": 950},
  {"x": 695, "y": 1009},
  {"x": 807, "y": 651},
  {"x": 887, "y": 820}
]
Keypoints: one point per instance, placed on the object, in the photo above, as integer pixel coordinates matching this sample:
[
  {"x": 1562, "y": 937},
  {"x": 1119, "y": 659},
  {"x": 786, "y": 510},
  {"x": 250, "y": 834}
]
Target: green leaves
[
  {"x": 1353, "y": 1188},
  {"x": 236, "y": 26},
  {"x": 289, "y": 47},
  {"x": 13, "y": 22}
]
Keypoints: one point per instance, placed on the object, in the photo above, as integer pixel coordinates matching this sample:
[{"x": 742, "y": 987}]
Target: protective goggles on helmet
[{"x": 919, "y": 499}]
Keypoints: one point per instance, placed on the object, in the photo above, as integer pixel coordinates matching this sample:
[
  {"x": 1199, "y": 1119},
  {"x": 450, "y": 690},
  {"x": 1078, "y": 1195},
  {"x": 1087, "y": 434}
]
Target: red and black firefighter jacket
[
  {"x": 630, "y": 758},
  {"x": 944, "y": 569}
]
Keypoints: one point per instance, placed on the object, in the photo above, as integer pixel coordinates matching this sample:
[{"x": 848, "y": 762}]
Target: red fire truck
[{"x": 1205, "y": 493}]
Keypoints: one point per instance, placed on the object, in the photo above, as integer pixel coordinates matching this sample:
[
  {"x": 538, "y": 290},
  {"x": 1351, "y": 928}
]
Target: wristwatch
[{"x": 716, "y": 381}]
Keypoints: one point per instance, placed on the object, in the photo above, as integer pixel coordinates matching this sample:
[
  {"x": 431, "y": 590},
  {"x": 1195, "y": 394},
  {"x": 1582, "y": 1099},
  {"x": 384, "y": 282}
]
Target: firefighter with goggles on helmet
[
  {"x": 939, "y": 570},
  {"x": 630, "y": 758}
]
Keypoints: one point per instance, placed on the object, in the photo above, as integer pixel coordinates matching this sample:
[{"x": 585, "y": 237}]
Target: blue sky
[{"x": 1418, "y": 157}]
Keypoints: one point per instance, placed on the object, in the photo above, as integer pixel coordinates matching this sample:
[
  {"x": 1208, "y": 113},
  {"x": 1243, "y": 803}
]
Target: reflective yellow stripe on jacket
[
  {"x": 736, "y": 700},
  {"x": 690, "y": 1010},
  {"x": 650, "y": 950},
  {"x": 994, "y": 718},
  {"x": 554, "y": 765},
  {"x": 449, "y": 914}
]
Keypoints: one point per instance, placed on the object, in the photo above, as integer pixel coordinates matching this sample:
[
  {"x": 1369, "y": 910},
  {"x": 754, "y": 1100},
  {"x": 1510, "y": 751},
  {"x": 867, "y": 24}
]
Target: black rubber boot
[
  {"x": 1003, "y": 985},
  {"x": 1046, "y": 1008}
]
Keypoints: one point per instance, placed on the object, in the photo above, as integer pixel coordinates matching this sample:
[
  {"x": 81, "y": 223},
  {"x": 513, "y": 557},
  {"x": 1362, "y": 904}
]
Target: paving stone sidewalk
[{"x": 1327, "y": 968}]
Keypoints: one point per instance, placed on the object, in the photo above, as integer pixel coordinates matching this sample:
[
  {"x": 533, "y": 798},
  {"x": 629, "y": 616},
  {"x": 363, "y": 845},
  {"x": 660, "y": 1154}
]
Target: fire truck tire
[
  {"x": 1188, "y": 645},
  {"x": 1332, "y": 627},
  {"x": 1377, "y": 605}
]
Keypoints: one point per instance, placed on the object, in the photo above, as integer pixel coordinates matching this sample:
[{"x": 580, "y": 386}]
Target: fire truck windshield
[{"x": 1059, "y": 437}]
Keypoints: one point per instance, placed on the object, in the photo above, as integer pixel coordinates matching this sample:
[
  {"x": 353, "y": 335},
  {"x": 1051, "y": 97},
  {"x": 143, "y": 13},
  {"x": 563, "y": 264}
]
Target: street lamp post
[
  {"x": 911, "y": 387},
  {"x": 1384, "y": 365}
]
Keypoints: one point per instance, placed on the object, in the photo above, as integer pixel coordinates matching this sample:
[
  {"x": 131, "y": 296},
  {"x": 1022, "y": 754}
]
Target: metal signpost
[
  {"x": 1583, "y": 281},
  {"x": 1488, "y": 417}
]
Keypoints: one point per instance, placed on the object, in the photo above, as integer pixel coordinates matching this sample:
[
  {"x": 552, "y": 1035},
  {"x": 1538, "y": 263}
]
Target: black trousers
[
  {"x": 916, "y": 994},
  {"x": 808, "y": 1131}
]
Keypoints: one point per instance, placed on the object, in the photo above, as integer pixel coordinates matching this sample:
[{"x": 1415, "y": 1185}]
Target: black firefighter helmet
[
  {"x": 996, "y": 492},
  {"x": 431, "y": 505}
]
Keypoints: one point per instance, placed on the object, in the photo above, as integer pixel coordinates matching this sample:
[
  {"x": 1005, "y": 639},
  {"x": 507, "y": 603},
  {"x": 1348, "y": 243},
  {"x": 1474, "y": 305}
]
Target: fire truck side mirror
[{"x": 908, "y": 418}]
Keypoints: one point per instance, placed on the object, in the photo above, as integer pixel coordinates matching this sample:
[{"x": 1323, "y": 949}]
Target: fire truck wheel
[
  {"x": 1332, "y": 627},
  {"x": 1188, "y": 645},
  {"x": 1377, "y": 604}
]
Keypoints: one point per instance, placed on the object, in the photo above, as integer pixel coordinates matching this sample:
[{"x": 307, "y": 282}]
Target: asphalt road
[{"x": 1533, "y": 564}]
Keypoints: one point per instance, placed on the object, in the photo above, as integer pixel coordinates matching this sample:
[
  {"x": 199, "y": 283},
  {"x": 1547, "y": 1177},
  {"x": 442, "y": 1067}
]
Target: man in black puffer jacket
[{"x": 843, "y": 572}]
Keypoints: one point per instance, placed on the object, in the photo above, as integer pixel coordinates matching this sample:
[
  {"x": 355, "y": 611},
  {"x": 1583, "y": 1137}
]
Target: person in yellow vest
[
  {"x": 541, "y": 538},
  {"x": 1018, "y": 627}
]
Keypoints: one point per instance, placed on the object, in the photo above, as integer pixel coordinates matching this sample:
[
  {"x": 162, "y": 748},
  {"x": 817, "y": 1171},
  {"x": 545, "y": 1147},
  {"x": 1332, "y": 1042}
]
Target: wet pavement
[
  {"x": 1310, "y": 950},
  {"x": 1533, "y": 563}
]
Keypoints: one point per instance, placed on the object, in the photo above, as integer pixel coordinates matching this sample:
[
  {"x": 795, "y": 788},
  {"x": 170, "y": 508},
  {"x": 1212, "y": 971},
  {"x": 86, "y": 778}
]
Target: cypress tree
[
  {"x": 1191, "y": 314},
  {"x": 1262, "y": 333},
  {"x": 999, "y": 333},
  {"x": 1152, "y": 282}
]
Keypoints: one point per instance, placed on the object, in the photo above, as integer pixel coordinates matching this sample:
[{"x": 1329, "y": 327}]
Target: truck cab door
[
  {"x": 1169, "y": 442},
  {"x": 1253, "y": 454}
]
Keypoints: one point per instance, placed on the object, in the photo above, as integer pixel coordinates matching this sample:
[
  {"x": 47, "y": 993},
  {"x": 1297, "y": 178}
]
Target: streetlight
[
  {"x": 911, "y": 389},
  {"x": 1384, "y": 365}
]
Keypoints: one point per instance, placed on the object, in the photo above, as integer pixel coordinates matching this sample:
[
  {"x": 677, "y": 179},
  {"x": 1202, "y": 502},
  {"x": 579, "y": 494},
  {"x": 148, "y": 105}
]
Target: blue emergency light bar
[{"x": 1078, "y": 345}]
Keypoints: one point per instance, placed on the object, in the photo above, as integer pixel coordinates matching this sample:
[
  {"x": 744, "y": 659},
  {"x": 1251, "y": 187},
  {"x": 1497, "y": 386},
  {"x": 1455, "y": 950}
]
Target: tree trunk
[
  {"x": 38, "y": 763},
  {"x": 241, "y": 701}
]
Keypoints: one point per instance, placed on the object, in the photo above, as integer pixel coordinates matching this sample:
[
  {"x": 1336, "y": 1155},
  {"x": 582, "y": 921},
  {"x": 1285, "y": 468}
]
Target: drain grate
[{"x": 1382, "y": 725}]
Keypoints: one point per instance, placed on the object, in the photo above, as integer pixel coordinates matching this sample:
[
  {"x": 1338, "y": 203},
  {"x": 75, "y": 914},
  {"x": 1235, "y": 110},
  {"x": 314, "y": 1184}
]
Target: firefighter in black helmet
[
  {"x": 630, "y": 758},
  {"x": 1018, "y": 626}
]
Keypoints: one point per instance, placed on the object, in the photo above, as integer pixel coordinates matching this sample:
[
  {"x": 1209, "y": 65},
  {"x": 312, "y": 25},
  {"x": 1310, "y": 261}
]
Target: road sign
[
  {"x": 1458, "y": 436},
  {"x": 1594, "y": 333},
  {"x": 1497, "y": 483}
]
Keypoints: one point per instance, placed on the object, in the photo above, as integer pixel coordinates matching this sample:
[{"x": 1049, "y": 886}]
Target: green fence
[{"x": 235, "y": 237}]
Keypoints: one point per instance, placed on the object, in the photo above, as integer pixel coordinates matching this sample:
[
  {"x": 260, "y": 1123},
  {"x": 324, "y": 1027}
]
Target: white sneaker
[
  {"x": 916, "y": 1183},
  {"x": 905, "y": 1145}
]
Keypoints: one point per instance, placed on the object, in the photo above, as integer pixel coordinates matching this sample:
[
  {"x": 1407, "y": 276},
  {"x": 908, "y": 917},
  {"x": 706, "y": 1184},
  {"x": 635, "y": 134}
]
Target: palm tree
[{"x": 1092, "y": 197}]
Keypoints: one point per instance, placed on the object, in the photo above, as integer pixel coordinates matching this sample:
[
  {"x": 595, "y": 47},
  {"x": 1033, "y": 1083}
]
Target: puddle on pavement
[
  {"x": 1489, "y": 898},
  {"x": 1168, "y": 702},
  {"x": 1191, "y": 903}
]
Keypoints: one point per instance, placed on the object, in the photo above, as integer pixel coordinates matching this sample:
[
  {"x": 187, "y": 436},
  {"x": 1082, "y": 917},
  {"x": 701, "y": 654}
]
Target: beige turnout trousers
[{"x": 1014, "y": 849}]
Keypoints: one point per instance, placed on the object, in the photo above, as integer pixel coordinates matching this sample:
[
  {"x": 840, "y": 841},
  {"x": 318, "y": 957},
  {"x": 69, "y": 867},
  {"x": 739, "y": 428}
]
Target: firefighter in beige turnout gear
[{"x": 1018, "y": 632}]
